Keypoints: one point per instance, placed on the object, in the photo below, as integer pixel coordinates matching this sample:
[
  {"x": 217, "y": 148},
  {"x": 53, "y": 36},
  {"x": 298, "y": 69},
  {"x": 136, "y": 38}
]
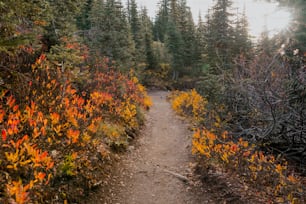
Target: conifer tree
[
  {"x": 83, "y": 21},
  {"x": 62, "y": 20},
  {"x": 299, "y": 19},
  {"x": 174, "y": 43},
  {"x": 147, "y": 30},
  {"x": 242, "y": 43},
  {"x": 220, "y": 36},
  {"x": 110, "y": 34},
  {"x": 162, "y": 21},
  {"x": 200, "y": 45},
  {"x": 18, "y": 25},
  {"x": 137, "y": 32},
  {"x": 188, "y": 33}
]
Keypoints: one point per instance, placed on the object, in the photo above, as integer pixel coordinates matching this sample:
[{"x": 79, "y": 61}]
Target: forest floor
[{"x": 158, "y": 167}]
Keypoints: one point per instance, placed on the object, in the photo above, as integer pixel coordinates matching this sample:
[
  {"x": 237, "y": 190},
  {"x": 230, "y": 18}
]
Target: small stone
[{"x": 131, "y": 148}]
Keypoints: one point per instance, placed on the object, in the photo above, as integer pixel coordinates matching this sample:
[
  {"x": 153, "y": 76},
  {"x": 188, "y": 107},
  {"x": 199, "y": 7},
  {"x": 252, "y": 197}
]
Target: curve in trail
[{"x": 156, "y": 167}]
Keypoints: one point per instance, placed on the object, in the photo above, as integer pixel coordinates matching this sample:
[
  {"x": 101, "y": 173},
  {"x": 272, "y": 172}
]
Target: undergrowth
[
  {"x": 59, "y": 136},
  {"x": 263, "y": 171}
]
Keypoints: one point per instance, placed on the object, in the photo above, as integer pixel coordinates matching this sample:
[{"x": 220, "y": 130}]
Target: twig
[{"x": 179, "y": 176}]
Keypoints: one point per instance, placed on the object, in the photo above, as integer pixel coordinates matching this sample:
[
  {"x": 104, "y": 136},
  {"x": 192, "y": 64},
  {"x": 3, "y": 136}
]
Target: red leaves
[
  {"x": 2, "y": 113},
  {"x": 57, "y": 118},
  {"x": 41, "y": 59},
  {"x": 40, "y": 176},
  {"x": 19, "y": 191},
  {"x": 73, "y": 135},
  {"x": 3, "y": 133},
  {"x": 11, "y": 101}
]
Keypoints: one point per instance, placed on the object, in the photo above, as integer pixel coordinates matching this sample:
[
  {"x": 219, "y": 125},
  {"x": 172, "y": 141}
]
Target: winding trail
[{"x": 147, "y": 173}]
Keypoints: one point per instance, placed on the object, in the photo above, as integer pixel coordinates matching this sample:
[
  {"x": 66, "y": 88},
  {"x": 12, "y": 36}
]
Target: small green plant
[{"x": 68, "y": 167}]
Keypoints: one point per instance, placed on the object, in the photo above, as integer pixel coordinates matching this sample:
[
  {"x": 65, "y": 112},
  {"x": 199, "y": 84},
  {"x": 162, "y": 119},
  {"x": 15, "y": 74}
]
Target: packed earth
[{"x": 158, "y": 167}]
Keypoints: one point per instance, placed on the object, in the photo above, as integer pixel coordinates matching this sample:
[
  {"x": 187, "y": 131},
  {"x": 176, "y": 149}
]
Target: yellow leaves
[
  {"x": 36, "y": 133},
  {"x": 243, "y": 143},
  {"x": 18, "y": 192},
  {"x": 61, "y": 119},
  {"x": 57, "y": 129},
  {"x": 224, "y": 157},
  {"x": 13, "y": 158},
  {"x": 279, "y": 169},
  {"x": 292, "y": 179},
  {"x": 241, "y": 156},
  {"x": 55, "y": 118},
  {"x": 100, "y": 97},
  {"x": 128, "y": 113},
  {"x": 95, "y": 122},
  {"x": 86, "y": 137},
  {"x": 73, "y": 135},
  {"x": 210, "y": 136},
  {"x": 2, "y": 114},
  {"x": 147, "y": 102},
  {"x": 189, "y": 104},
  {"x": 38, "y": 157}
]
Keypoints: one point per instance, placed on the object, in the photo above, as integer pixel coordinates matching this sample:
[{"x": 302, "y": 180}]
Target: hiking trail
[{"x": 157, "y": 168}]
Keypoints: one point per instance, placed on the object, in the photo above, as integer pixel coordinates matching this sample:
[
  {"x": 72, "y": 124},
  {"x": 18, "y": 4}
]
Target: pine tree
[
  {"x": 242, "y": 43},
  {"x": 62, "y": 20},
  {"x": 18, "y": 25},
  {"x": 137, "y": 32},
  {"x": 188, "y": 32},
  {"x": 299, "y": 19},
  {"x": 110, "y": 34},
  {"x": 174, "y": 43},
  {"x": 200, "y": 46},
  {"x": 147, "y": 30},
  {"x": 162, "y": 21},
  {"x": 300, "y": 34},
  {"x": 220, "y": 36},
  {"x": 83, "y": 21}
]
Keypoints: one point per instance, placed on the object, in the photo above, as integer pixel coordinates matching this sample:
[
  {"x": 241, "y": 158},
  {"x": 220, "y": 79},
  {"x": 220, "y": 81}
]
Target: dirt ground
[{"x": 158, "y": 167}]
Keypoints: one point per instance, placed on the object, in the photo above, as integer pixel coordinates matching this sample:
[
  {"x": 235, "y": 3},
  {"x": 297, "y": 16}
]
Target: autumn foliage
[
  {"x": 271, "y": 176},
  {"x": 59, "y": 131},
  {"x": 189, "y": 104}
]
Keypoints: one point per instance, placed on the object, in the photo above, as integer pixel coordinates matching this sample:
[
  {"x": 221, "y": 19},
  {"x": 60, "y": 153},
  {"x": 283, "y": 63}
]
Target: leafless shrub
[{"x": 267, "y": 98}]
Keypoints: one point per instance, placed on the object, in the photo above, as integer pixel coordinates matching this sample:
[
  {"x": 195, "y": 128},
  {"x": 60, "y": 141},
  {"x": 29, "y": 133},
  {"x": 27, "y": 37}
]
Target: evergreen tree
[
  {"x": 188, "y": 33},
  {"x": 200, "y": 46},
  {"x": 174, "y": 9},
  {"x": 147, "y": 30},
  {"x": 219, "y": 37},
  {"x": 299, "y": 19},
  {"x": 18, "y": 25},
  {"x": 174, "y": 43},
  {"x": 110, "y": 34},
  {"x": 300, "y": 34},
  {"x": 162, "y": 21},
  {"x": 264, "y": 45},
  {"x": 62, "y": 20},
  {"x": 243, "y": 44},
  {"x": 137, "y": 32},
  {"x": 83, "y": 21}
]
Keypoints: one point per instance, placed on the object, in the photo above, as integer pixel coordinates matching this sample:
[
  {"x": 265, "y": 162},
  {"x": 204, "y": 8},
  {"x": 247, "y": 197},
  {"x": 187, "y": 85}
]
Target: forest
[{"x": 74, "y": 76}]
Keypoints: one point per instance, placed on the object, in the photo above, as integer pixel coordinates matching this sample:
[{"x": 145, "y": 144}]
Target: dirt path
[{"x": 145, "y": 175}]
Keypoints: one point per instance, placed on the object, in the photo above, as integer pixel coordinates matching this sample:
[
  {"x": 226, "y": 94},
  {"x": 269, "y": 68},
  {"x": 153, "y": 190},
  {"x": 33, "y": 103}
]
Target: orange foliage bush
[
  {"x": 262, "y": 170},
  {"x": 189, "y": 104},
  {"x": 57, "y": 124},
  {"x": 271, "y": 175}
]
